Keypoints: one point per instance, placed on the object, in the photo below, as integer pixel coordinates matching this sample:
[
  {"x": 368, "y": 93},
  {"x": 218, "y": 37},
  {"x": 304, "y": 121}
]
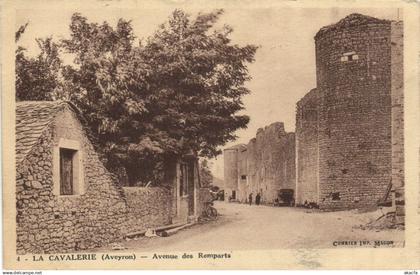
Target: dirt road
[{"x": 262, "y": 227}]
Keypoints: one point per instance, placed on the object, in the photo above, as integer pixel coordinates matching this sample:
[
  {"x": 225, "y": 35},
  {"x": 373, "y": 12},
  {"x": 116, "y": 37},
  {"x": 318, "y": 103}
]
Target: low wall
[{"x": 148, "y": 207}]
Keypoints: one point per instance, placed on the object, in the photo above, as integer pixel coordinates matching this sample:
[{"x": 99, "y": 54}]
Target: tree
[
  {"x": 38, "y": 78},
  {"x": 197, "y": 83},
  {"x": 177, "y": 93},
  {"x": 206, "y": 177},
  {"x": 107, "y": 84}
]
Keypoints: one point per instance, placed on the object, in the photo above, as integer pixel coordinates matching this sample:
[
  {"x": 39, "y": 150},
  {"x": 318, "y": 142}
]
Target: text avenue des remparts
[{"x": 121, "y": 257}]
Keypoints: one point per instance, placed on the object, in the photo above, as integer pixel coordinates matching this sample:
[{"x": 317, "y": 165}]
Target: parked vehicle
[{"x": 285, "y": 197}]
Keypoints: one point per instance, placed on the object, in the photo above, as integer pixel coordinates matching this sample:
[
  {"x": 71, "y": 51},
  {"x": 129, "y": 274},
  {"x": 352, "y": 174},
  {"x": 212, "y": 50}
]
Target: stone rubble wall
[
  {"x": 272, "y": 162},
  {"x": 148, "y": 207},
  {"x": 252, "y": 167},
  {"x": 307, "y": 149},
  {"x": 267, "y": 162},
  {"x": 242, "y": 174},
  {"x": 230, "y": 158}
]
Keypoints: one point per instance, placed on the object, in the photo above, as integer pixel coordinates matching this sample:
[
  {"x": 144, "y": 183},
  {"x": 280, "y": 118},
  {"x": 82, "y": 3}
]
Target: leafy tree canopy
[
  {"x": 177, "y": 92},
  {"x": 38, "y": 78}
]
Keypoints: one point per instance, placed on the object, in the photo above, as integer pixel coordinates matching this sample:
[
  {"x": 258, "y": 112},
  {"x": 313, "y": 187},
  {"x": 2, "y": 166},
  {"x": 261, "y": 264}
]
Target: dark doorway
[{"x": 191, "y": 187}]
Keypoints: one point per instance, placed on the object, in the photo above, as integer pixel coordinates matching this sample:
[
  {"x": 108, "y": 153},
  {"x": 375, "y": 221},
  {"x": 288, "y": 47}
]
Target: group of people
[{"x": 257, "y": 199}]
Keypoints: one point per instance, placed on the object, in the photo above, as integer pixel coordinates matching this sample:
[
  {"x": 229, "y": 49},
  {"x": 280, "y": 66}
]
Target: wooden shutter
[{"x": 66, "y": 171}]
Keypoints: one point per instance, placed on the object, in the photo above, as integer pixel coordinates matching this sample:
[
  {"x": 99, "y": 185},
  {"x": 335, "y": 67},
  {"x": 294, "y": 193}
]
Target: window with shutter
[{"x": 66, "y": 171}]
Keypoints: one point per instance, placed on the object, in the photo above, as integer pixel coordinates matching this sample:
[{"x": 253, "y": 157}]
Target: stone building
[
  {"x": 266, "y": 165},
  {"x": 66, "y": 200},
  {"x": 231, "y": 171},
  {"x": 275, "y": 162},
  {"x": 349, "y": 129}
]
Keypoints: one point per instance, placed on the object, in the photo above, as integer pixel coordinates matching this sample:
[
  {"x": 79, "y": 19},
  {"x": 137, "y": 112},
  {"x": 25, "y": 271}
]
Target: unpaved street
[{"x": 262, "y": 227}]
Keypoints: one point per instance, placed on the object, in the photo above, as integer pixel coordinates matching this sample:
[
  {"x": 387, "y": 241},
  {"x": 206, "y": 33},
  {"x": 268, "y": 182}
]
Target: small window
[
  {"x": 67, "y": 171},
  {"x": 349, "y": 56},
  {"x": 336, "y": 196},
  {"x": 353, "y": 57},
  {"x": 243, "y": 177}
]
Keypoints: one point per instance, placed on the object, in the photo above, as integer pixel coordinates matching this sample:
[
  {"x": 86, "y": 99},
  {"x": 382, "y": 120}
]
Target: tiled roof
[
  {"x": 32, "y": 117},
  {"x": 354, "y": 19}
]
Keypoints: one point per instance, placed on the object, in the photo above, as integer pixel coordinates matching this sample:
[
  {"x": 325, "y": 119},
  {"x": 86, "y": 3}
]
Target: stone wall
[
  {"x": 307, "y": 148},
  {"x": 252, "y": 168},
  {"x": 354, "y": 112},
  {"x": 49, "y": 223},
  {"x": 148, "y": 207},
  {"x": 275, "y": 162},
  {"x": 266, "y": 164},
  {"x": 233, "y": 161},
  {"x": 242, "y": 174},
  {"x": 289, "y": 162},
  {"x": 230, "y": 158}
]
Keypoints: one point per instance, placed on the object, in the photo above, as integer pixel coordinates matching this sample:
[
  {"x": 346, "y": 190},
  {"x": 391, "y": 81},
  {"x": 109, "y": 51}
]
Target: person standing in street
[
  {"x": 250, "y": 198},
  {"x": 258, "y": 199}
]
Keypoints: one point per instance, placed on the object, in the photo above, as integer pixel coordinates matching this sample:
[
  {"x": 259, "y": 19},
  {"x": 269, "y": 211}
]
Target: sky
[{"x": 284, "y": 70}]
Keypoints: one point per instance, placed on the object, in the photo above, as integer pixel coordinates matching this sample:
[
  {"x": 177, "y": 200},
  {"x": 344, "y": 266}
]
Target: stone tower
[
  {"x": 230, "y": 158},
  {"x": 353, "y": 66}
]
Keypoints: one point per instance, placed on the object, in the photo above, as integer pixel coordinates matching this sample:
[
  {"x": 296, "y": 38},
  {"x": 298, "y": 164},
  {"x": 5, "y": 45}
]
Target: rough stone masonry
[
  {"x": 350, "y": 128},
  {"x": 47, "y": 222},
  {"x": 265, "y": 165},
  {"x": 307, "y": 149}
]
